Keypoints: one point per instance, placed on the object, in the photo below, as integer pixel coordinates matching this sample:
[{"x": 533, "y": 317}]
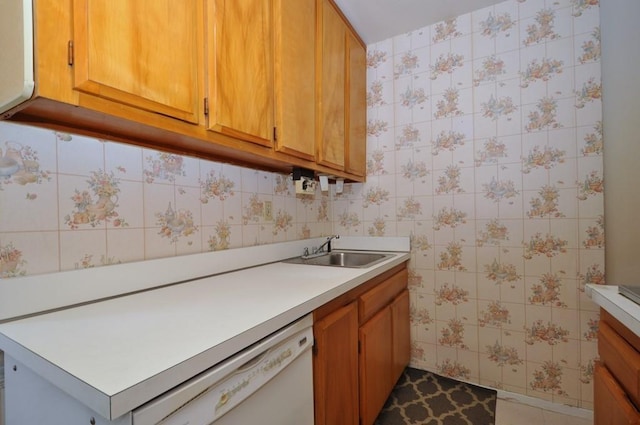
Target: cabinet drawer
[
  {"x": 374, "y": 300},
  {"x": 627, "y": 334},
  {"x": 612, "y": 407},
  {"x": 621, "y": 359}
]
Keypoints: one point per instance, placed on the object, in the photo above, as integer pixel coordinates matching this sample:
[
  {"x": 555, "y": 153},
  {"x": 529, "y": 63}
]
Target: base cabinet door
[
  {"x": 401, "y": 335},
  {"x": 376, "y": 355},
  {"x": 361, "y": 348},
  {"x": 335, "y": 367},
  {"x": 611, "y": 406}
]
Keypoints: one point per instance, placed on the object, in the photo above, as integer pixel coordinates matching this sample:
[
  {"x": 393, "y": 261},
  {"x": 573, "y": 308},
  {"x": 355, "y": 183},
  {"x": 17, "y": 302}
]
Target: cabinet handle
[{"x": 70, "y": 53}]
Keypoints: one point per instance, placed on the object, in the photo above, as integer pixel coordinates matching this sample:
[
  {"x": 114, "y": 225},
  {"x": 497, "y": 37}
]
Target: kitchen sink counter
[{"x": 116, "y": 354}]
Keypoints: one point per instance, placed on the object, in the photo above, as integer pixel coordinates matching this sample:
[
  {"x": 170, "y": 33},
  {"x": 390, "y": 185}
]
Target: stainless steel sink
[{"x": 343, "y": 259}]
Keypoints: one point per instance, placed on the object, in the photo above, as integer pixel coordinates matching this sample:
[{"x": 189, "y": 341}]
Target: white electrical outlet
[
  {"x": 305, "y": 186},
  {"x": 267, "y": 211}
]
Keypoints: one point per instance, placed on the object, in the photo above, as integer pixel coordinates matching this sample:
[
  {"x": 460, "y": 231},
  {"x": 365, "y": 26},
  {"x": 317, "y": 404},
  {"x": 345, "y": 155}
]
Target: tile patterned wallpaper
[
  {"x": 68, "y": 202},
  {"x": 484, "y": 145}
]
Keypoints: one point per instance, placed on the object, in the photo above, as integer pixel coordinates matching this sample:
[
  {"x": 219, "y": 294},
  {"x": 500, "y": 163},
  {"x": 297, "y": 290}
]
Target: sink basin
[{"x": 343, "y": 259}]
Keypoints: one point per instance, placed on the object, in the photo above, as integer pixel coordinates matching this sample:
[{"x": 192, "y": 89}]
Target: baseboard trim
[{"x": 546, "y": 405}]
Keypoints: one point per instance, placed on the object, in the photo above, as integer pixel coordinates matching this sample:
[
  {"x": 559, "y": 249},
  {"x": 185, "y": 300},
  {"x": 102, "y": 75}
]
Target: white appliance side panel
[
  {"x": 33, "y": 400},
  {"x": 16, "y": 53}
]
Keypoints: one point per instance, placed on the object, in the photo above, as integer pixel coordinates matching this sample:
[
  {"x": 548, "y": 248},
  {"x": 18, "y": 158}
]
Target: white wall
[{"x": 621, "y": 133}]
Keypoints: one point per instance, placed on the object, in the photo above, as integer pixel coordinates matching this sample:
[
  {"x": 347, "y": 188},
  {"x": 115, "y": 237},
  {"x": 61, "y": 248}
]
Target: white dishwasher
[{"x": 269, "y": 383}]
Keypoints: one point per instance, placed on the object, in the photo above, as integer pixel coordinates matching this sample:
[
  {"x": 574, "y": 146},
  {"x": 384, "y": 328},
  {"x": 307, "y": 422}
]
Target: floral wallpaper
[
  {"x": 69, "y": 202},
  {"x": 485, "y": 146}
]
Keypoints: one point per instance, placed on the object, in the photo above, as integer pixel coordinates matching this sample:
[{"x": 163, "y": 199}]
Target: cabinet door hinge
[
  {"x": 206, "y": 106},
  {"x": 275, "y": 134},
  {"x": 70, "y": 53}
]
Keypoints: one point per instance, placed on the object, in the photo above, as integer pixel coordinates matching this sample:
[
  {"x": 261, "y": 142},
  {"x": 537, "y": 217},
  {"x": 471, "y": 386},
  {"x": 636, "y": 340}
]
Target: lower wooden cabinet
[
  {"x": 616, "y": 384},
  {"x": 362, "y": 345},
  {"x": 401, "y": 346},
  {"x": 376, "y": 364},
  {"x": 612, "y": 406},
  {"x": 335, "y": 367}
]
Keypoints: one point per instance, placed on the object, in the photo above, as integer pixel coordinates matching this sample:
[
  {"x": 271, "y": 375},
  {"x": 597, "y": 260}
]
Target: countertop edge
[{"x": 620, "y": 307}]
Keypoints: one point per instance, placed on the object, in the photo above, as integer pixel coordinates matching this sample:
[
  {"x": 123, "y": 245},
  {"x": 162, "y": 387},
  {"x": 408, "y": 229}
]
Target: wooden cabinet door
[
  {"x": 240, "y": 76},
  {"x": 295, "y": 70},
  {"x": 144, "y": 53},
  {"x": 621, "y": 359},
  {"x": 332, "y": 65},
  {"x": 356, "y": 142},
  {"x": 611, "y": 405},
  {"x": 375, "y": 365},
  {"x": 401, "y": 341},
  {"x": 335, "y": 367}
]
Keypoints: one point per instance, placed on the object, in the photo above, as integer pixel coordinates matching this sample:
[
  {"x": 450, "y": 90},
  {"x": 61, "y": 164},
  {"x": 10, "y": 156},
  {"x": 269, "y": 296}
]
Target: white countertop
[
  {"x": 619, "y": 306},
  {"x": 115, "y": 355}
]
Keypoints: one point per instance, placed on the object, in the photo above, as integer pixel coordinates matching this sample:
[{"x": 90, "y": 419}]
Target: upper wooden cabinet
[
  {"x": 295, "y": 77},
  {"x": 342, "y": 93},
  {"x": 356, "y": 118},
  {"x": 143, "y": 53},
  {"x": 233, "y": 81},
  {"x": 262, "y": 72},
  {"x": 240, "y": 77},
  {"x": 332, "y": 66}
]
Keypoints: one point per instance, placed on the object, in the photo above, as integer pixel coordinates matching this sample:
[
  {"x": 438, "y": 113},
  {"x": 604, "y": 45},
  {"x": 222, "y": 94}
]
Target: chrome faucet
[
  {"x": 327, "y": 243},
  {"x": 317, "y": 252}
]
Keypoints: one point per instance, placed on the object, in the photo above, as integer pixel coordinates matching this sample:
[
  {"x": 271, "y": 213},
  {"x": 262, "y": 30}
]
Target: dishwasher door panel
[
  {"x": 270, "y": 383},
  {"x": 286, "y": 400}
]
